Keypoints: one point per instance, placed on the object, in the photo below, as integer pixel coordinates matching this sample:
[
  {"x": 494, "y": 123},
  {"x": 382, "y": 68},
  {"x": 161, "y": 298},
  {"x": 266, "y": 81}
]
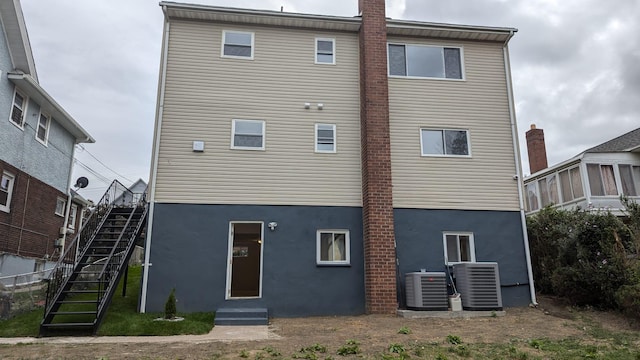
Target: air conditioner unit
[
  {"x": 479, "y": 285},
  {"x": 426, "y": 291}
]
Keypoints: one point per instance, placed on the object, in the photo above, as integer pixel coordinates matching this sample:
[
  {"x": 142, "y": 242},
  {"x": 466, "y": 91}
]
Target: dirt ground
[{"x": 374, "y": 333}]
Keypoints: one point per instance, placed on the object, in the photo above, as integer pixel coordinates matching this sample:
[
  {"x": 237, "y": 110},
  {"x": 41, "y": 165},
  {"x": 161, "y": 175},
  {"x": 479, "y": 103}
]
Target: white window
[
  {"x": 72, "y": 216},
  {"x": 42, "y": 132},
  {"x": 326, "y": 138},
  {"x": 18, "y": 108},
  {"x": 6, "y": 189},
  {"x": 61, "y": 204},
  {"x": 571, "y": 184},
  {"x": 425, "y": 61},
  {"x": 630, "y": 177},
  {"x": 444, "y": 142},
  {"x": 247, "y": 134},
  {"x": 237, "y": 44},
  {"x": 602, "y": 180},
  {"x": 333, "y": 247},
  {"x": 548, "y": 190},
  {"x": 458, "y": 247},
  {"x": 532, "y": 196},
  {"x": 325, "y": 51}
]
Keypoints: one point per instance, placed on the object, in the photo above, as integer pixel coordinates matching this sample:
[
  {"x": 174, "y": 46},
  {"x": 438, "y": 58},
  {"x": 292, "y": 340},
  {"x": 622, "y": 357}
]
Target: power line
[
  {"x": 103, "y": 164},
  {"x": 100, "y": 177}
]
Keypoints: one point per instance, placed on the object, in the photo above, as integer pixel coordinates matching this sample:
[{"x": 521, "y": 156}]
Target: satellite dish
[{"x": 82, "y": 182}]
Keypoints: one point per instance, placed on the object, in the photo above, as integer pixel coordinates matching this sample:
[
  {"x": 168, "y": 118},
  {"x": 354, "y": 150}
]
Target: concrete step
[{"x": 242, "y": 316}]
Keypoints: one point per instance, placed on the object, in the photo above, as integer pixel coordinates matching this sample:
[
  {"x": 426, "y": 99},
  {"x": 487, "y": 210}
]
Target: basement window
[
  {"x": 423, "y": 61},
  {"x": 237, "y": 44},
  {"x": 458, "y": 247},
  {"x": 332, "y": 247}
]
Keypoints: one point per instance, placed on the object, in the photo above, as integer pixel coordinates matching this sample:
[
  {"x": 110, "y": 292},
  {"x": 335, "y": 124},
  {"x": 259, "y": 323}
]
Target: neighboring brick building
[
  {"x": 37, "y": 140},
  {"x": 305, "y": 163}
]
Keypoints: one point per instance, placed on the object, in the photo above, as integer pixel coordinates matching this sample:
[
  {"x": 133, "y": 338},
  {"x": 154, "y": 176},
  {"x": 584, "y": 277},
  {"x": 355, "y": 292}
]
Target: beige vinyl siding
[
  {"x": 479, "y": 104},
  {"x": 204, "y": 92}
]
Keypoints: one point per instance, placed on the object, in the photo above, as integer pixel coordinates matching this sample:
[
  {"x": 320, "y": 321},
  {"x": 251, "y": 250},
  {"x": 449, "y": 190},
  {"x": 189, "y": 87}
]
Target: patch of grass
[
  {"x": 454, "y": 339},
  {"x": 352, "y": 347},
  {"x": 122, "y": 318},
  {"x": 404, "y": 330}
]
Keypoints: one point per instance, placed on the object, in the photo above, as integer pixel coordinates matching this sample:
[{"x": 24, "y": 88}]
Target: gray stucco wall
[
  {"x": 20, "y": 148},
  {"x": 497, "y": 236},
  {"x": 189, "y": 249}
]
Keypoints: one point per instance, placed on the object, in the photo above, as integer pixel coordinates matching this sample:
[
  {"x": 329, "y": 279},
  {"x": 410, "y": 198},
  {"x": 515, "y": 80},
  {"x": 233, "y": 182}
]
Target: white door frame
[{"x": 227, "y": 292}]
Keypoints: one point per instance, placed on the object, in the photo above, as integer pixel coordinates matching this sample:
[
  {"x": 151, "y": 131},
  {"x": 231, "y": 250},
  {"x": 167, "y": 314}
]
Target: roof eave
[
  {"x": 17, "y": 37},
  {"x": 33, "y": 90}
]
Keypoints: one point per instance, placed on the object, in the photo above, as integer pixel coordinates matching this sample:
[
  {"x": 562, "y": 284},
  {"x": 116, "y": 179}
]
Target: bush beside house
[{"x": 588, "y": 258}]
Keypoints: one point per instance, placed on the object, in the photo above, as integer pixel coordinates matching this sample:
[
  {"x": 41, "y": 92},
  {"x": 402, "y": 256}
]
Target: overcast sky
[{"x": 575, "y": 65}]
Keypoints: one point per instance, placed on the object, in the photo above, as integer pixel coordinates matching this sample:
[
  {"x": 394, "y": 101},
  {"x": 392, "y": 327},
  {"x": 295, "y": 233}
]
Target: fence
[{"x": 22, "y": 292}]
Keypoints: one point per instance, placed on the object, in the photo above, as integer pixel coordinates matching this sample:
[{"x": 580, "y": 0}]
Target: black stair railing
[{"x": 116, "y": 195}]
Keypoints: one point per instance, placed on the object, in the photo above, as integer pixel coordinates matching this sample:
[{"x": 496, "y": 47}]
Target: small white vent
[
  {"x": 426, "y": 291},
  {"x": 479, "y": 285}
]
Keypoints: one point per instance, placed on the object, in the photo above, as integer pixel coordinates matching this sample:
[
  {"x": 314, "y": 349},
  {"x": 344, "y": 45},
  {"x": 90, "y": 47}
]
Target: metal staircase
[{"x": 85, "y": 278}]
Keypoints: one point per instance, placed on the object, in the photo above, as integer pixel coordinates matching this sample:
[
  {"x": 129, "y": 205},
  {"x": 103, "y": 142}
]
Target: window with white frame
[
  {"x": 548, "y": 190},
  {"x": 571, "y": 184},
  {"x": 73, "y": 214},
  {"x": 444, "y": 142},
  {"x": 6, "y": 190},
  {"x": 602, "y": 180},
  {"x": 247, "y": 134},
  {"x": 630, "y": 178},
  {"x": 333, "y": 247},
  {"x": 61, "y": 204},
  {"x": 42, "y": 132},
  {"x": 532, "y": 196},
  {"x": 325, "y": 51},
  {"x": 459, "y": 247},
  {"x": 425, "y": 61},
  {"x": 237, "y": 44},
  {"x": 18, "y": 108},
  {"x": 326, "y": 138}
]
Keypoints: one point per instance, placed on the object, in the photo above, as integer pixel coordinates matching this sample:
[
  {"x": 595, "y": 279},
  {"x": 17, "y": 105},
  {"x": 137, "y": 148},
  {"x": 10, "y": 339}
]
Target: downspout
[
  {"x": 65, "y": 225},
  {"x": 154, "y": 160},
  {"x": 516, "y": 153}
]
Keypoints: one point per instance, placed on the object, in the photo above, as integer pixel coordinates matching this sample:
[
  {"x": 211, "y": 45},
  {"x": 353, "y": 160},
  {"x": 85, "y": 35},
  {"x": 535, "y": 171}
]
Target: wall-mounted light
[
  {"x": 307, "y": 105},
  {"x": 272, "y": 225},
  {"x": 320, "y": 106}
]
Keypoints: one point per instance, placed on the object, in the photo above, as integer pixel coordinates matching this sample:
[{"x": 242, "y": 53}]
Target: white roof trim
[
  {"x": 17, "y": 38},
  {"x": 30, "y": 86}
]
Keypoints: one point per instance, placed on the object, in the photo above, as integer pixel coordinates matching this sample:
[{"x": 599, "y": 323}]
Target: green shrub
[{"x": 170, "y": 305}]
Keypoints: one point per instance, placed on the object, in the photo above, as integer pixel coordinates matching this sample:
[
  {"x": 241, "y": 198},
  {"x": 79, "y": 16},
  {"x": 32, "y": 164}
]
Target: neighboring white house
[{"x": 594, "y": 179}]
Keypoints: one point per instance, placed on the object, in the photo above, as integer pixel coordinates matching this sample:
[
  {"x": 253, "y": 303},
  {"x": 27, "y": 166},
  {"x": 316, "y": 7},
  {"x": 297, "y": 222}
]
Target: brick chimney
[
  {"x": 536, "y": 149},
  {"x": 377, "y": 197}
]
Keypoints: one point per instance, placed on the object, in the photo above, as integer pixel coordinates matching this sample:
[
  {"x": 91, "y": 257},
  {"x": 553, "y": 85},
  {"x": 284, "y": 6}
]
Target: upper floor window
[
  {"x": 325, "y": 51},
  {"x": 6, "y": 189},
  {"x": 425, "y": 61},
  {"x": 630, "y": 177},
  {"x": 459, "y": 247},
  {"x": 247, "y": 134},
  {"x": 326, "y": 138},
  {"x": 602, "y": 180},
  {"x": 237, "y": 44},
  {"x": 332, "y": 247},
  {"x": 444, "y": 142},
  {"x": 42, "y": 133},
  {"x": 18, "y": 108}
]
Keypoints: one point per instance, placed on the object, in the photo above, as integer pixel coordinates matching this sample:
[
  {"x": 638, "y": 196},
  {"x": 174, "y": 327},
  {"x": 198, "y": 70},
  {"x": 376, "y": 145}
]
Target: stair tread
[
  {"x": 73, "y": 312},
  {"x": 76, "y": 302},
  {"x": 67, "y": 324}
]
